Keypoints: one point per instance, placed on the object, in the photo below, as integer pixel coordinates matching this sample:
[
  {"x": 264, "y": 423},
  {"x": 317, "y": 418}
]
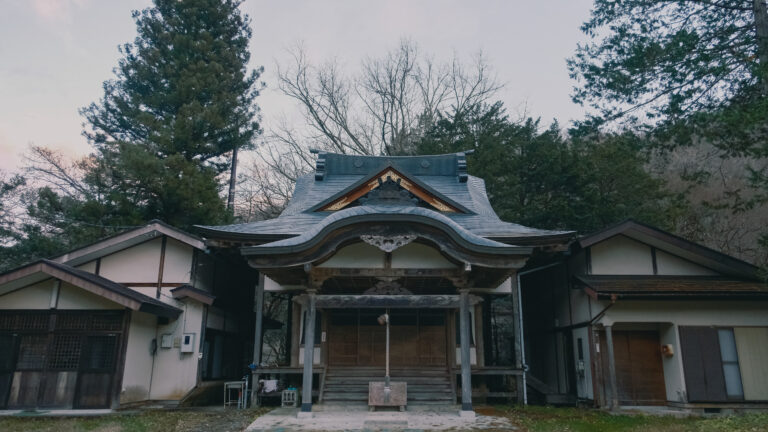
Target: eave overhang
[
  {"x": 319, "y": 242},
  {"x": 113, "y": 291},
  {"x": 670, "y": 287}
]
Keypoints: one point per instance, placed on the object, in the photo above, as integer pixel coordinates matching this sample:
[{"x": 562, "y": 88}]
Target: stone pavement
[{"x": 358, "y": 418}]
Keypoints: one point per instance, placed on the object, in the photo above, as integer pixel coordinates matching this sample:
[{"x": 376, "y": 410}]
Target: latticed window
[
  {"x": 32, "y": 350},
  {"x": 108, "y": 322},
  {"x": 65, "y": 351},
  {"x": 24, "y": 321},
  {"x": 100, "y": 353},
  {"x": 72, "y": 322}
]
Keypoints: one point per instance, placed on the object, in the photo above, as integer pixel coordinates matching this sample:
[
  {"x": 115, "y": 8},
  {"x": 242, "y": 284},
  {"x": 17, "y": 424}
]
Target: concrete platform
[{"x": 358, "y": 418}]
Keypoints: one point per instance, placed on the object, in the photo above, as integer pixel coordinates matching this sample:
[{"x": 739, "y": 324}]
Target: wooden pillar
[
  {"x": 309, "y": 353},
  {"x": 259, "y": 326},
  {"x": 464, "y": 328},
  {"x": 614, "y": 400},
  {"x": 517, "y": 324},
  {"x": 257, "y": 337}
]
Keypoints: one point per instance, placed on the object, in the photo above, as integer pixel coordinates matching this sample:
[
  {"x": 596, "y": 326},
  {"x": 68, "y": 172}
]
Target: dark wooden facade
[{"x": 61, "y": 359}]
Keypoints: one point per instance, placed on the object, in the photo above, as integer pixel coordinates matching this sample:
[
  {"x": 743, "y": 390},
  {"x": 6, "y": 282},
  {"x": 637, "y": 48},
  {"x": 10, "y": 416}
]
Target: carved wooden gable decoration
[{"x": 390, "y": 187}]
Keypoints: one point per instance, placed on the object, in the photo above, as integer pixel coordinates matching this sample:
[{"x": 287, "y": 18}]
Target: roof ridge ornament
[
  {"x": 388, "y": 243},
  {"x": 319, "y": 164},
  {"x": 461, "y": 165}
]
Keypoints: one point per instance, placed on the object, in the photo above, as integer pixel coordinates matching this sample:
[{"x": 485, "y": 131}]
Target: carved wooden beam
[{"x": 387, "y": 301}]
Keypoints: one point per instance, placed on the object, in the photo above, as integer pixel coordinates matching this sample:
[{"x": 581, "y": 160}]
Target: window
[{"x": 730, "y": 360}]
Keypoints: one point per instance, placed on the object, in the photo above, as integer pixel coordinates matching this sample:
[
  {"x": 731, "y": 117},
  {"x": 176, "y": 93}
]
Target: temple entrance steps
[{"x": 426, "y": 386}]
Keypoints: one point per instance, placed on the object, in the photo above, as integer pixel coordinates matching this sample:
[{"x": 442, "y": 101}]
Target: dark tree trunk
[{"x": 232, "y": 181}]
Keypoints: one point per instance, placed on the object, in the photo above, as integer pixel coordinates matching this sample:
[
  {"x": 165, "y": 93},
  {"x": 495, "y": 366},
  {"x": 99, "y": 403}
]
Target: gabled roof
[
  {"x": 643, "y": 287},
  {"x": 675, "y": 245},
  {"x": 120, "y": 294},
  {"x": 442, "y": 176},
  {"x": 126, "y": 239},
  {"x": 368, "y": 184}
]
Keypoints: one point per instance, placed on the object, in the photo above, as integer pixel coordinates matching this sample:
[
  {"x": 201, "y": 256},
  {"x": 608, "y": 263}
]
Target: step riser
[{"x": 427, "y": 386}]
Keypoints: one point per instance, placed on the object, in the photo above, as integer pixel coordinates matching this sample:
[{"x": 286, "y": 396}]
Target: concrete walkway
[{"x": 345, "y": 418}]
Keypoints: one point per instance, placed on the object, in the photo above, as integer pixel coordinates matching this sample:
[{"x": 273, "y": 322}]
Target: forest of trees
[{"x": 675, "y": 131}]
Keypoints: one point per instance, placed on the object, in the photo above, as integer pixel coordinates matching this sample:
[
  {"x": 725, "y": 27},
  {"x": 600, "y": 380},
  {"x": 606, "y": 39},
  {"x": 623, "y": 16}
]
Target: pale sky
[{"x": 55, "y": 54}]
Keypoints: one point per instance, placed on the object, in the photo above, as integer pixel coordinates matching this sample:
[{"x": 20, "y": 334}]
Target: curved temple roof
[{"x": 442, "y": 177}]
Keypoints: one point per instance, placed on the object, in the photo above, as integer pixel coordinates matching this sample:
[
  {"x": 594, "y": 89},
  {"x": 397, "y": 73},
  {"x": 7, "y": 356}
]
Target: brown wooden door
[
  {"x": 417, "y": 338},
  {"x": 639, "y": 370}
]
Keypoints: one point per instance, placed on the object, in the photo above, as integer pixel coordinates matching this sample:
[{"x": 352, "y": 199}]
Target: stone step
[
  {"x": 365, "y": 380},
  {"x": 423, "y": 397},
  {"x": 429, "y": 386}
]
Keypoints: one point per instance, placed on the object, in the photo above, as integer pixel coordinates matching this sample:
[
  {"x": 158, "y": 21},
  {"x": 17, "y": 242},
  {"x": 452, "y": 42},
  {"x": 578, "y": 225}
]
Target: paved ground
[{"x": 360, "y": 419}]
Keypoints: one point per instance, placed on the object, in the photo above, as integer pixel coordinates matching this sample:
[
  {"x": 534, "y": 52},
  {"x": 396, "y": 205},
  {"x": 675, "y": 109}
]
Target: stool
[
  {"x": 239, "y": 386},
  {"x": 290, "y": 398}
]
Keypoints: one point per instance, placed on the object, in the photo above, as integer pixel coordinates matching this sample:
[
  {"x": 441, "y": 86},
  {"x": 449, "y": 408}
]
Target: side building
[
  {"x": 635, "y": 316},
  {"x": 146, "y": 315}
]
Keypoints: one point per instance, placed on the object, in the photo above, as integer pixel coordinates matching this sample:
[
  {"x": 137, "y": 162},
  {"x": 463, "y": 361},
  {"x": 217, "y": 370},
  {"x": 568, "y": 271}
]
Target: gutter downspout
[
  {"x": 587, "y": 323},
  {"x": 520, "y": 323}
]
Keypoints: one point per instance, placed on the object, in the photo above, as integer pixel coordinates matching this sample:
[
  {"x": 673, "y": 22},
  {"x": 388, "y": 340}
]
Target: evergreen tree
[
  {"x": 182, "y": 102},
  {"x": 539, "y": 178},
  {"x": 691, "y": 69}
]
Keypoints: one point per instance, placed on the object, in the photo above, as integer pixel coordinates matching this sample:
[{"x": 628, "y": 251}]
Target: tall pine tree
[{"x": 180, "y": 107}]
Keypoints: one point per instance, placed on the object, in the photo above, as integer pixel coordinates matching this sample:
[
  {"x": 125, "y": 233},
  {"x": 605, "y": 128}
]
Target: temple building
[{"x": 479, "y": 309}]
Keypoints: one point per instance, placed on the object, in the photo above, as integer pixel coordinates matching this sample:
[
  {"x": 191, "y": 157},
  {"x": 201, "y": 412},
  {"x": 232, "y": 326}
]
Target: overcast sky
[{"x": 55, "y": 54}]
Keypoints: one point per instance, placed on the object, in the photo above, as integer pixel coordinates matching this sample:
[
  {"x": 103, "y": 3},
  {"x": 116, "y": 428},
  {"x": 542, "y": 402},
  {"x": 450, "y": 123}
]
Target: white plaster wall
[
  {"x": 356, "y": 255},
  {"x": 90, "y": 266},
  {"x": 147, "y": 291},
  {"x": 621, "y": 255},
  {"x": 72, "y": 297},
  {"x": 582, "y": 306},
  {"x": 36, "y": 296},
  {"x": 674, "y": 380},
  {"x": 174, "y": 373},
  {"x": 137, "y": 375},
  {"x": 138, "y": 263},
  {"x": 177, "y": 267},
  {"x": 680, "y": 312},
  {"x": 417, "y": 255},
  {"x": 668, "y": 264},
  {"x": 583, "y": 383}
]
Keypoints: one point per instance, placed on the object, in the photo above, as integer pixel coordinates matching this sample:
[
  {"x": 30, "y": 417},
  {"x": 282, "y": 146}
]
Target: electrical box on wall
[
  {"x": 166, "y": 341},
  {"x": 188, "y": 343}
]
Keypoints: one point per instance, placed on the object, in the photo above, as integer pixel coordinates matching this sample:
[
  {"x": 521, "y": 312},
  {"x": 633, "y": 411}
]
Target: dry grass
[
  {"x": 144, "y": 421},
  {"x": 548, "y": 419}
]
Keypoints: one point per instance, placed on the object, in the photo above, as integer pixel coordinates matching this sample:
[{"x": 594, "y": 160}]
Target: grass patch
[
  {"x": 549, "y": 419},
  {"x": 144, "y": 421}
]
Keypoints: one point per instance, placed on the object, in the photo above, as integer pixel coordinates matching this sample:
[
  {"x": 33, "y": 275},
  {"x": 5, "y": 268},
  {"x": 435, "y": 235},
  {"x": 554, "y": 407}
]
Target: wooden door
[
  {"x": 342, "y": 338},
  {"x": 702, "y": 365},
  {"x": 97, "y": 367},
  {"x": 639, "y": 369},
  {"x": 417, "y": 338}
]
